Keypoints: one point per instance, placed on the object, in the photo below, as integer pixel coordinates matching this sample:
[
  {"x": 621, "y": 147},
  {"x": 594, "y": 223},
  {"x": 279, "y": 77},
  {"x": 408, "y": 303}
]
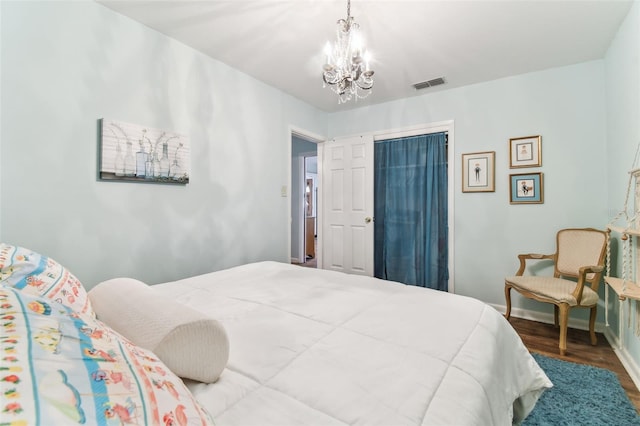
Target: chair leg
[
  {"x": 507, "y": 296},
  {"x": 564, "y": 319},
  {"x": 592, "y": 326}
]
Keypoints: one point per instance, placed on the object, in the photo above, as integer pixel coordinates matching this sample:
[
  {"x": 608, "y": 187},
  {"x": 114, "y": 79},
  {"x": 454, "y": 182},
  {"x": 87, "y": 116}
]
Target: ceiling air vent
[{"x": 423, "y": 85}]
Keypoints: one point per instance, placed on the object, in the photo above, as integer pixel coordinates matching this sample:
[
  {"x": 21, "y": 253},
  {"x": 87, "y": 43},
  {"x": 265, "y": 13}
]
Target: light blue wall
[
  {"x": 566, "y": 106},
  {"x": 0, "y": 124},
  {"x": 67, "y": 64},
  {"x": 622, "y": 68}
]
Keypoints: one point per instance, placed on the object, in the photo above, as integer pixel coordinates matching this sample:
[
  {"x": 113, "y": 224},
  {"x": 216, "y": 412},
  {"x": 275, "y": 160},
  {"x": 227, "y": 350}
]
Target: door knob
[{"x": 367, "y": 219}]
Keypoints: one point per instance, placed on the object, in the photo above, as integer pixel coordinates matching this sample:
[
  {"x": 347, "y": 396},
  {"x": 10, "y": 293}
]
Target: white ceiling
[{"x": 466, "y": 42}]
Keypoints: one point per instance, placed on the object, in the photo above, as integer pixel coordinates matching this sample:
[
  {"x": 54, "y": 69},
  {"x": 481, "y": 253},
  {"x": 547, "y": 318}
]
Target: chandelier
[{"x": 347, "y": 70}]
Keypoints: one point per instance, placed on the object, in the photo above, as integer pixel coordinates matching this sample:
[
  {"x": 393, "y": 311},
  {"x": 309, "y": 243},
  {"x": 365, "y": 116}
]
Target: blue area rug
[{"x": 581, "y": 395}]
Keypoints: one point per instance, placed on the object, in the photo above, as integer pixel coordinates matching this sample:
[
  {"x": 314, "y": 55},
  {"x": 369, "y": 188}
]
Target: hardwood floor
[
  {"x": 543, "y": 339},
  {"x": 310, "y": 262}
]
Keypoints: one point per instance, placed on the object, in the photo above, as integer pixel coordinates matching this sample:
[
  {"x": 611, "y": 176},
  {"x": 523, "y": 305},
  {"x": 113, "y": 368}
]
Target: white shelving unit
[
  {"x": 624, "y": 290},
  {"x": 626, "y": 287}
]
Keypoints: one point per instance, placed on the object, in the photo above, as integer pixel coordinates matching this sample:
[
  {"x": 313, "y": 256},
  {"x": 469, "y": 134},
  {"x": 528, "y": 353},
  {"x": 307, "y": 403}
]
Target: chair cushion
[{"x": 553, "y": 289}]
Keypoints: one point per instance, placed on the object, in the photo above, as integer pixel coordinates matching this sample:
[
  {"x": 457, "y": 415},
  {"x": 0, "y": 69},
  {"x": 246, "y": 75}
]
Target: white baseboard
[
  {"x": 580, "y": 324},
  {"x": 623, "y": 355}
]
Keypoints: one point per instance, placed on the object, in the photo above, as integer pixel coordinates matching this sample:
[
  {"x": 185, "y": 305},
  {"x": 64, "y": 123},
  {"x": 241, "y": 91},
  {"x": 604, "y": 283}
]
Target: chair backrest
[{"x": 579, "y": 247}]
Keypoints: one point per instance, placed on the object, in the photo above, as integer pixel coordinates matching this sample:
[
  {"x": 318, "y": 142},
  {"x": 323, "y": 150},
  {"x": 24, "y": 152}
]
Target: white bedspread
[{"x": 316, "y": 347}]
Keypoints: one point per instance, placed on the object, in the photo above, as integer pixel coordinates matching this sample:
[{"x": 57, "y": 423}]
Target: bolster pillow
[{"x": 193, "y": 345}]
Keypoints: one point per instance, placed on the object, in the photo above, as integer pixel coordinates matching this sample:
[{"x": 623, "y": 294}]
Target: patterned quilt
[{"x": 60, "y": 366}]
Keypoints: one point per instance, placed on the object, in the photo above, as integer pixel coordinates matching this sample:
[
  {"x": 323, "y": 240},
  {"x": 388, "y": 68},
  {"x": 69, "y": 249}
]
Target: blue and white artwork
[{"x": 131, "y": 152}]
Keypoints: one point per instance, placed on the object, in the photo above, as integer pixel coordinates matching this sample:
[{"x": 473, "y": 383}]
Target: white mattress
[{"x": 316, "y": 347}]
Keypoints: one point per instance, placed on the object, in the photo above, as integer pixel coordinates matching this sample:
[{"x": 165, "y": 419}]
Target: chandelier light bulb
[
  {"x": 356, "y": 42},
  {"x": 327, "y": 51},
  {"x": 367, "y": 61}
]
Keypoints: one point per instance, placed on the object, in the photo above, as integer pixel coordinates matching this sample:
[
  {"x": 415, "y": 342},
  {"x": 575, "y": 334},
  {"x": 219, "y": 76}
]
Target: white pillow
[{"x": 191, "y": 344}]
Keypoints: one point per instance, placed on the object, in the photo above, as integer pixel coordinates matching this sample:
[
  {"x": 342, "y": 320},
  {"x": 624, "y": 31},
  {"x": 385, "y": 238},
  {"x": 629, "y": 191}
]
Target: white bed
[{"x": 316, "y": 347}]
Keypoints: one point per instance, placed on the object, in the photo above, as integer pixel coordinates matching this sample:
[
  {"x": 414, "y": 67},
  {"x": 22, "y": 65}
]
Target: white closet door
[{"x": 347, "y": 173}]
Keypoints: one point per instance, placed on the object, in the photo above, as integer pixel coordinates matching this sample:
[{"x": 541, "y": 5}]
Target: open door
[{"x": 347, "y": 205}]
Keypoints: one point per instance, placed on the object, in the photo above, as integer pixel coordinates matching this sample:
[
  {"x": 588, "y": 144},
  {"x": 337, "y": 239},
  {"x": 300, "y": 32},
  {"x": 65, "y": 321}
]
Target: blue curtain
[{"x": 411, "y": 229}]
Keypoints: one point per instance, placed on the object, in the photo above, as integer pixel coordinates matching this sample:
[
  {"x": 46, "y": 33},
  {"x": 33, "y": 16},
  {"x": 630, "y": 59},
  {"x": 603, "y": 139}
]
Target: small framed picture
[
  {"x": 478, "y": 172},
  {"x": 526, "y": 188},
  {"x": 525, "y": 152}
]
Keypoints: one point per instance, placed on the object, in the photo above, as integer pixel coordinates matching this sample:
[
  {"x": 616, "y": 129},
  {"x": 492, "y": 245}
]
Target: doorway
[
  {"x": 304, "y": 200},
  {"x": 411, "y": 229},
  {"x": 311, "y": 210}
]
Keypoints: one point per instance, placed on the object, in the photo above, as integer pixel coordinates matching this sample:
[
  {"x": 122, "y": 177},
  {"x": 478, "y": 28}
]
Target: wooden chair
[{"x": 578, "y": 260}]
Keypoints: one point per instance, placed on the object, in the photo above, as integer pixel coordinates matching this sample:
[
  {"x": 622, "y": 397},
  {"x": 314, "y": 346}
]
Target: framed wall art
[
  {"x": 134, "y": 153},
  {"x": 525, "y": 152},
  {"x": 526, "y": 188},
  {"x": 478, "y": 172}
]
